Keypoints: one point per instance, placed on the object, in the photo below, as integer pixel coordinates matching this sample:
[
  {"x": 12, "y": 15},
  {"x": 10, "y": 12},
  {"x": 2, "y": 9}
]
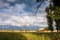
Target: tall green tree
[
  {"x": 56, "y": 4},
  {"x": 55, "y": 8},
  {"x": 57, "y": 17},
  {"x": 49, "y": 19},
  {"x": 49, "y": 15}
]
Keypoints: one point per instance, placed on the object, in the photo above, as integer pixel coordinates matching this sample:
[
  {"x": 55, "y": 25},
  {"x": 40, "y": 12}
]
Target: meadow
[{"x": 29, "y": 36}]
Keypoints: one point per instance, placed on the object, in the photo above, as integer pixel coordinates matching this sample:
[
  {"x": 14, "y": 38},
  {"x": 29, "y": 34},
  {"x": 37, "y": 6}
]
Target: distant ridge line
[{"x": 40, "y": 31}]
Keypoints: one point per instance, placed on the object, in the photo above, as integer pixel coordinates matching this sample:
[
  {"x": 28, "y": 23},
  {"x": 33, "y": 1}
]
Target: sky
[{"x": 22, "y": 12}]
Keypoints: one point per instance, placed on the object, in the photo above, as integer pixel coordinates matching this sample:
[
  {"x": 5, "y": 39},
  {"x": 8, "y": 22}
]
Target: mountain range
[{"x": 9, "y": 27}]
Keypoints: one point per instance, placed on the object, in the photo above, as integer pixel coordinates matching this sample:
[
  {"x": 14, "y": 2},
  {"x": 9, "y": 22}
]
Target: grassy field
[{"x": 29, "y": 36}]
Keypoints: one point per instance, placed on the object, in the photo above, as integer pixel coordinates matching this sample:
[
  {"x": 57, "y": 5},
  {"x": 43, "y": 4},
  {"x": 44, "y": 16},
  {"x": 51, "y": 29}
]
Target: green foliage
[
  {"x": 55, "y": 8},
  {"x": 56, "y": 2},
  {"x": 56, "y": 17},
  {"x": 50, "y": 21},
  {"x": 49, "y": 18},
  {"x": 53, "y": 13},
  {"x": 57, "y": 13}
]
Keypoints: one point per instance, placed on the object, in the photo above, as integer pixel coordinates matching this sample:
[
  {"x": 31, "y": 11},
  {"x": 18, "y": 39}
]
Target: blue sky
[{"x": 21, "y": 12}]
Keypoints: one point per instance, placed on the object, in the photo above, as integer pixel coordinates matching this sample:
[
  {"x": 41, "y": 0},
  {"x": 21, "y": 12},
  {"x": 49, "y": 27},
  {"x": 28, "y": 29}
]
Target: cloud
[
  {"x": 11, "y": 0},
  {"x": 18, "y": 9},
  {"x": 3, "y": 5},
  {"x": 24, "y": 20},
  {"x": 20, "y": 15}
]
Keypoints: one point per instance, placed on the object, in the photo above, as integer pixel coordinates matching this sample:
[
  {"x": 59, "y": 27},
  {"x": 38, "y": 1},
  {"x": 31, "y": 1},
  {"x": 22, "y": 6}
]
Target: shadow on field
[{"x": 11, "y": 36}]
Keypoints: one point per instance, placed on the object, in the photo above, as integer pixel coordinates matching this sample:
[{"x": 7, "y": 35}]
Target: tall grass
[{"x": 29, "y": 36}]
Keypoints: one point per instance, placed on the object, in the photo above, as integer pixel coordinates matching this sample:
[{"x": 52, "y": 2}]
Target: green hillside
[{"x": 29, "y": 36}]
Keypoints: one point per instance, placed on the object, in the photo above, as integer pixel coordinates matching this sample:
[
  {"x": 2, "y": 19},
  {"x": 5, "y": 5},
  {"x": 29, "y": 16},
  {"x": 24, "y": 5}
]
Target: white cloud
[
  {"x": 12, "y": 16},
  {"x": 24, "y": 20},
  {"x": 13, "y": 10},
  {"x": 16, "y": 8},
  {"x": 11, "y": 0}
]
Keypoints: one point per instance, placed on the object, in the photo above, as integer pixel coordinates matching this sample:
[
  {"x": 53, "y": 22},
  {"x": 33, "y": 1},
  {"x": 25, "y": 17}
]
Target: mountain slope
[{"x": 9, "y": 27}]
